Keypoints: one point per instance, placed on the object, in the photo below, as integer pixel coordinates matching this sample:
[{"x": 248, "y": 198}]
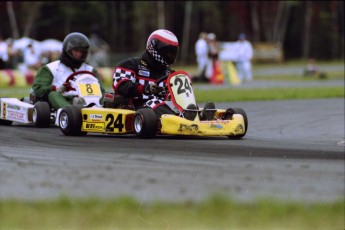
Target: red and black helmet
[{"x": 163, "y": 46}]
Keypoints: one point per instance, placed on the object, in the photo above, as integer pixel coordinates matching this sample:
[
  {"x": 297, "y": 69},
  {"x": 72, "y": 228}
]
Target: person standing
[
  {"x": 3, "y": 53},
  {"x": 245, "y": 54},
  {"x": 201, "y": 51},
  {"x": 32, "y": 57},
  {"x": 212, "y": 54}
]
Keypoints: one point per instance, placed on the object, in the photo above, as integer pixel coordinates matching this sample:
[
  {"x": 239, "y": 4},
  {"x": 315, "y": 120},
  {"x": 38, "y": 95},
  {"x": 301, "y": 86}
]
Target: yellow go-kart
[{"x": 231, "y": 122}]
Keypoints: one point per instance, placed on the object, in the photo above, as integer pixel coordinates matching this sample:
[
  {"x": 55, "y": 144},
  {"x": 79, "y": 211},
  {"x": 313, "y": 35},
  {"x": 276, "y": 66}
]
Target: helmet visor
[{"x": 169, "y": 53}]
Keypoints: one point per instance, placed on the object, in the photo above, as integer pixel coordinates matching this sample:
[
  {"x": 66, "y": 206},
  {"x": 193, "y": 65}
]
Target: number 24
[
  {"x": 182, "y": 86},
  {"x": 114, "y": 123}
]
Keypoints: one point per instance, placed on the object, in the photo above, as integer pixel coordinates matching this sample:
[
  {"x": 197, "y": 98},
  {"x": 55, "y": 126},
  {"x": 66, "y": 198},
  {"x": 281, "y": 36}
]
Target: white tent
[
  {"x": 21, "y": 43},
  {"x": 51, "y": 45}
]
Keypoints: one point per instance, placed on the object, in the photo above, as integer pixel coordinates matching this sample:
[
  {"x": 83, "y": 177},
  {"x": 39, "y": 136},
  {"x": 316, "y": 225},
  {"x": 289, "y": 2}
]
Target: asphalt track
[{"x": 293, "y": 150}]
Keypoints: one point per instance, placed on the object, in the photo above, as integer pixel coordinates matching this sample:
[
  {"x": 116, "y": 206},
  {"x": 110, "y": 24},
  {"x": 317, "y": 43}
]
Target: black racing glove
[{"x": 150, "y": 89}]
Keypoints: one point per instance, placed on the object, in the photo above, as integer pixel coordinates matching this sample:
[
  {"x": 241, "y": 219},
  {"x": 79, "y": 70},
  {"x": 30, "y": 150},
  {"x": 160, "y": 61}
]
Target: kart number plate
[{"x": 87, "y": 89}]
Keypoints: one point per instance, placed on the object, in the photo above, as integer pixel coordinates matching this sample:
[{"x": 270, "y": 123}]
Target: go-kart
[
  {"x": 26, "y": 111},
  {"x": 29, "y": 110},
  {"x": 231, "y": 122}
]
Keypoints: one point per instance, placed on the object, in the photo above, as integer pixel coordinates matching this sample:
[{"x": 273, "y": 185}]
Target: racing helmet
[
  {"x": 72, "y": 41},
  {"x": 163, "y": 46}
]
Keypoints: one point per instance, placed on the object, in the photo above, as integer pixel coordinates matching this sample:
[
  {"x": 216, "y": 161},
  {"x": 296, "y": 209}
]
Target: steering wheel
[
  {"x": 163, "y": 89},
  {"x": 72, "y": 76}
]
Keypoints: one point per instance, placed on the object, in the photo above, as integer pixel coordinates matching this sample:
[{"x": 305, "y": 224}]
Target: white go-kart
[{"x": 39, "y": 113}]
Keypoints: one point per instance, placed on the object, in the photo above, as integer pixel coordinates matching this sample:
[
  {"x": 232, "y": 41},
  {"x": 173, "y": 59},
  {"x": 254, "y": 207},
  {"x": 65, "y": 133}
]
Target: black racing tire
[
  {"x": 5, "y": 122},
  {"x": 70, "y": 121},
  {"x": 41, "y": 114},
  {"x": 25, "y": 99},
  {"x": 145, "y": 123},
  {"x": 228, "y": 116}
]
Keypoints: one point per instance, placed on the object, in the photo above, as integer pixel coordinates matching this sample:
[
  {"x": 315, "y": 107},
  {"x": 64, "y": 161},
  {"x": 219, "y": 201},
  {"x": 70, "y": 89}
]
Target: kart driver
[
  {"x": 135, "y": 78},
  {"x": 49, "y": 84}
]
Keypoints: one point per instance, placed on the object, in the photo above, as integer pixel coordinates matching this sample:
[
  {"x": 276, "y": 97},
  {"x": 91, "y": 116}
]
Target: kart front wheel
[
  {"x": 228, "y": 116},
  {"x": 145, "y": 123},
  {"x": 70, "y": 121},
  {"x": 41, "y": 114}
]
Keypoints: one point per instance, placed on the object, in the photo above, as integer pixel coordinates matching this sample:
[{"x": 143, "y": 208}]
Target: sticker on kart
[
  {"x": 182, "y": 91},
  {"x": 87, "y": 89},
  {"x": 107, "y": 120}
]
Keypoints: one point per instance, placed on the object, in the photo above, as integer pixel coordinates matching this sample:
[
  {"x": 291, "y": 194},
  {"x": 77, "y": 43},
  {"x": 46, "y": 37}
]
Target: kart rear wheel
[
  {"x": 145, "y": 123},
  {"x": 228, "y": 116},
  {"x": 70, "y": 121},
  {"x": 41, "y": 114},
  {"x": 25, "y": 99},
  {"x": 5, "y": 122}
]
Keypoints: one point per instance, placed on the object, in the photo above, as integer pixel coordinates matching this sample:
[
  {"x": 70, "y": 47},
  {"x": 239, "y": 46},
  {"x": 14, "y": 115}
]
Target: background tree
[{"x": 304, "y": 28}]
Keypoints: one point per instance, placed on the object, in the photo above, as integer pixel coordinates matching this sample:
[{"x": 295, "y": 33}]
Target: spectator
[
  {"x": 13, "y": 55},
  {"x": 212, "y": 55},
  {"x": 32, "y": 57},
  {"x": 245, "y": 53},
  {"x": 201, "y": 51},
  {"x": 3, "y": 53},
  {"x": 311, "y": 70}
]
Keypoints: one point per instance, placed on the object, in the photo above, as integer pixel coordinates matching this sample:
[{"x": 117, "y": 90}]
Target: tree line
[{"x": 304, "y": 28}]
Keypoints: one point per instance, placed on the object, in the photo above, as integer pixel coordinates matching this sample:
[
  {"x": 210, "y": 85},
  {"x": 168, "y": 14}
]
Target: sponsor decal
[
  {"x": 96, "y": 117},
  {"x": 216, "y": 126},
  {"x": 144, "y": 73},
  {"x": 94, "y": 126},
  {"x": 4, "y": 110},
  {"x": 190, "y": 128},
  {"x": 16, "y": 115},
  {"x": 216, "y": 122},
  {"x": 239, "y": 129},
  {"x": 143, "y": 63},
  {"x": 14, "y": 107}
]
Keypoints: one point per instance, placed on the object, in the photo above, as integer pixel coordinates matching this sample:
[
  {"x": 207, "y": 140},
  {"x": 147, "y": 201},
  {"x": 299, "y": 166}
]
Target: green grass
[
  {"x": 238, "y": 94},
  {"x": 128, "y": 213},
  {"x": 233, "y": 94},
  {"x": 227, "y": 95}
]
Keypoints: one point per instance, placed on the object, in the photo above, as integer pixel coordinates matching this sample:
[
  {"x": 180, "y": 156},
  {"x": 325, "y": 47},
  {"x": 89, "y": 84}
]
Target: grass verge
[
  {"x": 127, "y": 213},
  {"x": 227, "y": 95}
]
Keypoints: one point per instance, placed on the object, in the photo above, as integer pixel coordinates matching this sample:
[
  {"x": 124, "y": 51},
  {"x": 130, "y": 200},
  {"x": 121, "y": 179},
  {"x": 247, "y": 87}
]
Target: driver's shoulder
[
  {"x": 87, "y": 67},
  {"x": 53, "y": 64}
]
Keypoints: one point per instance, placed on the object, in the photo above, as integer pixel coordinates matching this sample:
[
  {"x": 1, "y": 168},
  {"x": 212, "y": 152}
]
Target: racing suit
[
  {"x": 52, "y": 76},
  {"x": 130, "y": 77}
]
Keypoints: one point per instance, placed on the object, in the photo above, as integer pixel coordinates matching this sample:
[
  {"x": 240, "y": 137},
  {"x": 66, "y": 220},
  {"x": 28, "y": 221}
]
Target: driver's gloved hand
[
  {"x": 65, "y": 87},
  {"x": 61, "y": 89},
  {"x": 150, "y": 88},
  {"x": 68, "y": 86}
]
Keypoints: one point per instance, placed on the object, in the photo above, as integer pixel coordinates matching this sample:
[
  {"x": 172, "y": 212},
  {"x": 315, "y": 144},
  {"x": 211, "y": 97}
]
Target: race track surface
[{"x": 293, "y": 150}]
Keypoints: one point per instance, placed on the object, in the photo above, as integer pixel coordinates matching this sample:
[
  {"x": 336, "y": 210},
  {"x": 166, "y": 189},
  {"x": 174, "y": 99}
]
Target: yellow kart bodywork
[
  {"x": 107, "y": 120},
  {"x": 174, "y": 125},
  {"x": 120, "y": 121}
]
